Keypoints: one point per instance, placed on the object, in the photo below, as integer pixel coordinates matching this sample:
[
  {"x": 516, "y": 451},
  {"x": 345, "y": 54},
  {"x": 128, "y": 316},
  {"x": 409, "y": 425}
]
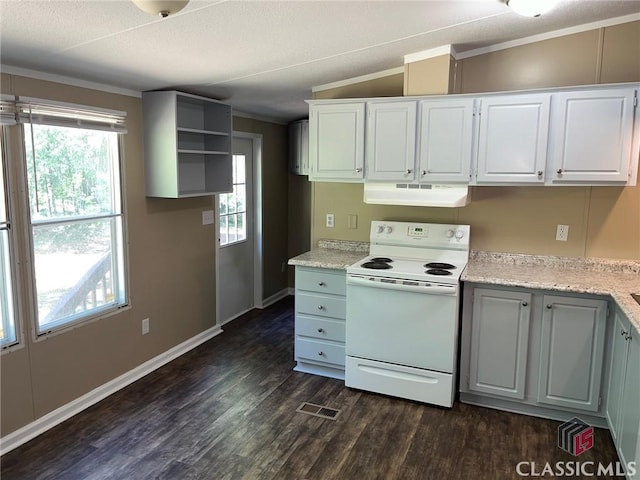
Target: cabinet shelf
[{"x": 187, "y": 145}]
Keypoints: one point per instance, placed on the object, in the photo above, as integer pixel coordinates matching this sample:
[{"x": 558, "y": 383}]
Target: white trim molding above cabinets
[{"x": 588, "y": 135}]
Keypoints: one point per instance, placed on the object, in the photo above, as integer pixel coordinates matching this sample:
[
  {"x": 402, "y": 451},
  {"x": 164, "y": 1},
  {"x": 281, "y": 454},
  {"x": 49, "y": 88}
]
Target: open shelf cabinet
[{"x": 187, "y": 141}]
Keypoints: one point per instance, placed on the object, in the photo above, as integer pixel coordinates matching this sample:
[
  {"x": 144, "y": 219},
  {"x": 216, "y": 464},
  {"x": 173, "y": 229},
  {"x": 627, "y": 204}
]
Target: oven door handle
[{"x": 426, "y": 288}]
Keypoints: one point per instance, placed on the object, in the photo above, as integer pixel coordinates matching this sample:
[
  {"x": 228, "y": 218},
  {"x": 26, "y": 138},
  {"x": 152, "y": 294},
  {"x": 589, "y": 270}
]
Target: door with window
[{"x": 236, "y": 237}]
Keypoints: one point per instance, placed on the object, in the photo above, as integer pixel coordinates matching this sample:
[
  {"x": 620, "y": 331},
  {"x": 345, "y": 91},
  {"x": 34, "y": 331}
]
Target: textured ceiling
[{"x": 263, "y": 57}]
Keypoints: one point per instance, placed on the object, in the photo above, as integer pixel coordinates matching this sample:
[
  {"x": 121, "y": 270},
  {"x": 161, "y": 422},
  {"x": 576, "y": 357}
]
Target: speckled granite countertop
[
  {"x": 616, "y": 278},
  {"x": 337, "y": 254}
]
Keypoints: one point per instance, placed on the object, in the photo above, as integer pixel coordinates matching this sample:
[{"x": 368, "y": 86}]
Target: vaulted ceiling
[{"x": 263, "y": 57}]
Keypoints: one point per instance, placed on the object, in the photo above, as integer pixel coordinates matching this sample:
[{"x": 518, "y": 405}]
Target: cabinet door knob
[
  {"x": 424, "y": 172},
  {"x": 358, "y": 170},
  {"x": 549, "y": 305},
  {"x": 559, "y": 171},
  {"x": 321, "y": 284},
  {"x": 623, "y": 333},
  {"x": 539, "y": 173},
  {"x": 627, "y": 337},
  {"x": 320, "y": 330},
  {"x": 409, "y": 171},
  {"x": 525, "y": 304},
  {"x": 320, "y": 307}
]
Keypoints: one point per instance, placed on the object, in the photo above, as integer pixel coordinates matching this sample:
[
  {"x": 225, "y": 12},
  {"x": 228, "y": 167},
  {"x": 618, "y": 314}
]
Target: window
[
  {"x": 233, "y": 208},
  {"x": 76, "y": 217},
  {"x": 7, "y": 325}
]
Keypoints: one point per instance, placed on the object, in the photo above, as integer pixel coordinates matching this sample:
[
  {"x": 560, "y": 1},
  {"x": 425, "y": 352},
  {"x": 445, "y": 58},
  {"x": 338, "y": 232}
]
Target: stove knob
[
  {"x": 449, "y": 233},
  {"x": 459, "y": 234},
  {"x": 380, "y": 229},
  {"x": 388, "y": 229}
]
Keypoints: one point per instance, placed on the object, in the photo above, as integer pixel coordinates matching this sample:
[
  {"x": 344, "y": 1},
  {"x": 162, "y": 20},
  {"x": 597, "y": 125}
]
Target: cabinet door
[
  {"x": 299, "y": 147},
  {"x": 628, "y": 440},
  {"x": 445, "y": 139},
  {"x": 499, "y": 342},
  {"x": 295, "y": 138},
  {"x": 619, "y": 347},
  {"x": 391, "y": 136},
  {"x": 572, "y": 345},
  {"x": 592, "y": 136},
  {"x": 336, "y": 142},
  {"x": 512, "y": 145}
]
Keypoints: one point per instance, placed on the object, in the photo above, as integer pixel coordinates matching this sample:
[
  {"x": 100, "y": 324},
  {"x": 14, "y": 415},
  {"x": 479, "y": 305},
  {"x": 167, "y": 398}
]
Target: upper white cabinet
[
  {"x": 336, "y": 142},
  {"x": 566, "y": 136},
  {"x": 512, "y": 143},
  {"x": 390, "y": 142},
  {"x": 187, "y": 143},
  {"x": 591, "y": 137},
  {"x": 445, "y": 140},
  {"x": 299, "y": 147}
]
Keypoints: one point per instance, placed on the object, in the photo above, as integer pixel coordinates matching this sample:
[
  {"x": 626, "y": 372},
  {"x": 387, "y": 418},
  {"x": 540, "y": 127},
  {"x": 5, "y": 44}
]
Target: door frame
[{"x": 256, "y": 140}]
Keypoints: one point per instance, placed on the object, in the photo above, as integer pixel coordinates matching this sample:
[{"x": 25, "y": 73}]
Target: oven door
[{"x": 416, "y": 326}]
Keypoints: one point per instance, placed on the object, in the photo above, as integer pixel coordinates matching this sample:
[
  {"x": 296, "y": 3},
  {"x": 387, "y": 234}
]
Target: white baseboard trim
[
  {"x": 224, "y": 322},
  {"x": 275, "y": 297},
  {"x": 59, "y": 415}
]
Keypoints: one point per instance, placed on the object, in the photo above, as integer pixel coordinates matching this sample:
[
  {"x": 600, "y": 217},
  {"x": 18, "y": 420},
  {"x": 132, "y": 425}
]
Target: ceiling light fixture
[
  {"x": 532, "y": 8},
  {"x": 164, "y": 8}
]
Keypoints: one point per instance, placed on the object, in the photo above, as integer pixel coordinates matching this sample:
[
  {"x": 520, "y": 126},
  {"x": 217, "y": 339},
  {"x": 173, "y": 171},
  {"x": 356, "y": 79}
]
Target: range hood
[{"x": 417, "y": 195}]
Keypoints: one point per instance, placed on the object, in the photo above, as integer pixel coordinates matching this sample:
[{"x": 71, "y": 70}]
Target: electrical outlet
[
  {"x": 145, "y": 326},
  {"x": 330, "y": 220},
  {"x": 562, "y": 233}
]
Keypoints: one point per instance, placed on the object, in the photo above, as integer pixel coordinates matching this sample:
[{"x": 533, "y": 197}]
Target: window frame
[
  {"x": 14, "y": 252},
  {"x": 41, "y": 333}
]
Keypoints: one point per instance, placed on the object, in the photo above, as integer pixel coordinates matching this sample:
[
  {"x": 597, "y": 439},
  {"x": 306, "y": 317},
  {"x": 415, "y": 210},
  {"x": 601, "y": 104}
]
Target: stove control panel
[
  {"x": 417, "y": 231},
  {"x": 419, "y": 234}
]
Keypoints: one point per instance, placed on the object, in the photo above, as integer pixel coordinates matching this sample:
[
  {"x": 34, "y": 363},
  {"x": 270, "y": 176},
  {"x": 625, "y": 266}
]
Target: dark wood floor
[{"x": 227, "y": 410}]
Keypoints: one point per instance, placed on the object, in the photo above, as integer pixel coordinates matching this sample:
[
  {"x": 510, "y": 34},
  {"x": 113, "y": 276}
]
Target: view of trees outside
[
  {"x": 71, "y": 176},
  {"x": 233, "y": 211}
]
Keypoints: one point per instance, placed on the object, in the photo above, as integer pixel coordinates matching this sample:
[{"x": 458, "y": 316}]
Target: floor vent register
[{"x": 318, "y": 411}]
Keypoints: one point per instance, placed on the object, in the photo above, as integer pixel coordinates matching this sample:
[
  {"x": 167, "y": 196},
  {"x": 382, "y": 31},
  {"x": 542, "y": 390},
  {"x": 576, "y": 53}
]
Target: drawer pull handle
[
  {"x": 321, "y": 354},
  {"x": 525, "y": 304},
  {"x": 320, "y": 330},
  {"x": 320, "y": 307},
  {"x": 321, "y": 284}
]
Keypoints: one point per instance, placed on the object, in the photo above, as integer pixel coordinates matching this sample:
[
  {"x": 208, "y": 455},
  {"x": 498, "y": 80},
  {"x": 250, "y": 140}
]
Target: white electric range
[{"x": 403, "y": 311}]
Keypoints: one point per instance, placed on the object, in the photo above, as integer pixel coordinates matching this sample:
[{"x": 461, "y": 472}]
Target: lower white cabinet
[
  {"x": 499, "y": 342},
  {"x": 320, "y": 312},
  {"x": 623, "y": 394},
  {"x": 519, "y": 355}
]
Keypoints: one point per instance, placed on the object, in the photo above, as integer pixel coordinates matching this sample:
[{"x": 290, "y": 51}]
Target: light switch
[
  {"x": 207, "y": 217},
  {"x": 352, "y": 222}
]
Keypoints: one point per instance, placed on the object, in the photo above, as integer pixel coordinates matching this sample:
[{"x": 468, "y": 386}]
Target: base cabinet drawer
[
  {"x": 321, "y": 281},
  {"x": 335, "y": 307},
  {"x": 320, "y": 328},
  {"x": 319, "y": 351}
]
